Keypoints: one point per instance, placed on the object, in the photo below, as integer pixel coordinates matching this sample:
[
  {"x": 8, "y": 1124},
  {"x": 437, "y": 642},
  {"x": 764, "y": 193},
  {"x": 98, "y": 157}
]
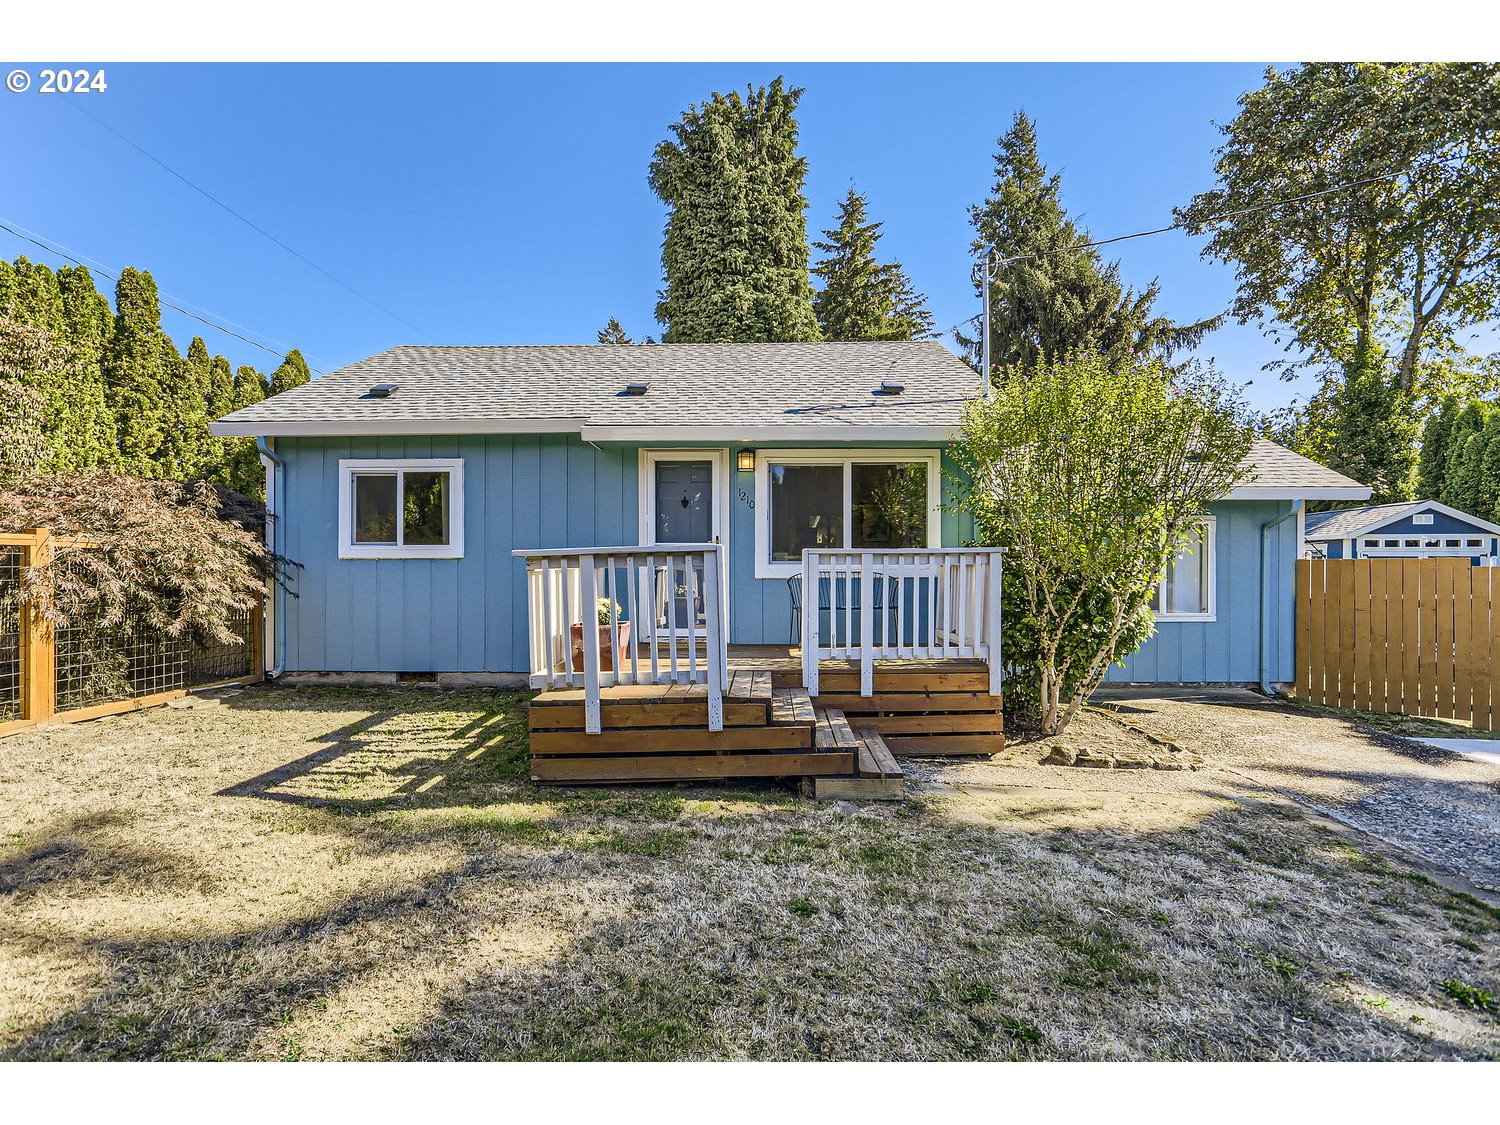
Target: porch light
[{"x": 744, "y": 461}]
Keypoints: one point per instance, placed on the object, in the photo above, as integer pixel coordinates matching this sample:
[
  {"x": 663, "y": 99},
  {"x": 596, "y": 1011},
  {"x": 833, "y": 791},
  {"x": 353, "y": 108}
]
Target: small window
[
  {"x": 1372, "y": 542},
  {"x": 401, "y": 509},
  {"x": 1393, "y": 542},
  {"x": 1452, "y": 543},
  {"x": 1186, "y": 592},
  {"x": 1422, "y": 519},
  {"x": 1473, "y": 542},
  {"x": 1413, "y": 542}
]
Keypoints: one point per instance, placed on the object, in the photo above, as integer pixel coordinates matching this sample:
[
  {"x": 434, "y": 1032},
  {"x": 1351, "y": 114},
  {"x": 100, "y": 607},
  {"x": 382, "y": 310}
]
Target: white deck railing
[
  {"x": 666, "y": 599},
  {"x": 935, "y": 604}
]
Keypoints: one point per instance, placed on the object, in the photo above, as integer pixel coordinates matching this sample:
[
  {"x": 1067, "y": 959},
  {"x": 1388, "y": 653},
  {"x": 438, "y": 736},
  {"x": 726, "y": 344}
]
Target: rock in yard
[{"x": 1060, "y": 755}]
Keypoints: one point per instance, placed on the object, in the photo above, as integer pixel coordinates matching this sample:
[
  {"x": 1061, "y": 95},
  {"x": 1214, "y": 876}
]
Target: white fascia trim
[
  {"x": 764, "y": 566},
  {"x": 744, "y": 434},
  {"x": 397, "y": 426},
  {"x": 1251, "y": 492}
]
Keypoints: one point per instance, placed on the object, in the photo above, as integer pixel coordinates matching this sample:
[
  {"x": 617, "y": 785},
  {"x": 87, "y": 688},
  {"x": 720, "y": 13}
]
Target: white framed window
[
  {"x": 873, "y": 499},
  {"x": 412, "y": 508},
  {"x": 1187, "y": 590}
]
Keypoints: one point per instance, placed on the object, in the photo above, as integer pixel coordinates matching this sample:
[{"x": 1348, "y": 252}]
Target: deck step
[
  {"x": 875, "y": 758},
  {"x": 877, "y": 775},
  {"x": 747, "y": 685},
  {"x": 792, "y": 705},
  {"x": 832, "y": 730}
]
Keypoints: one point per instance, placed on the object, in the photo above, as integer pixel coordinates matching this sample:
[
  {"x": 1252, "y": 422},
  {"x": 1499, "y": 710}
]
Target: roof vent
[
  {"x": 637, "y": 386},
  {"x": 891, "y": 386},
  {"x": 382, "y": 390}
]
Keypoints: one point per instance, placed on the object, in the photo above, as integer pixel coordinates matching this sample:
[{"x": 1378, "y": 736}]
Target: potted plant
[{"x": 604, "y": 610}]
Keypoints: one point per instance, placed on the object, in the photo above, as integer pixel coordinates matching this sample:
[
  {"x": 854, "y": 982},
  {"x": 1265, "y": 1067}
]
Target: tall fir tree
[
  {"x": 862, "y": 299},
  {"x": 1433, "y": 460},
  {"x": 291, "y": 372},
  {"x": 138, "y": 369},
  {"x": 1486, "y": 492},
  {"x": 219, "y": 401},
  {"x": 735, "y": 249},
  {"x": 1051, "y": 296}
]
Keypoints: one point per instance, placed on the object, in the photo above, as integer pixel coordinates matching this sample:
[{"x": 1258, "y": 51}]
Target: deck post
[
  {"x": 995, "y": 655},
  {"x": 811, "y": 599},
  {"x": 717, "y": 656},
  {"x": 867, "y": 623},
  {"x": 587, "y": 595}
]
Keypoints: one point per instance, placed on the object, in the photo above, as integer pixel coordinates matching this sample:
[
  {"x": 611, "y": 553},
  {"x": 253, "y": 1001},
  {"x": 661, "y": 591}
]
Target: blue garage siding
[
  {"x": 469, "y": 614},
  {"x": 1228, "y": 649}
]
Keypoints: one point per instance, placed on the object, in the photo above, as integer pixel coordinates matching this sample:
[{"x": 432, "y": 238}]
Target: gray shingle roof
[
  {"x": 1276, "y": 467},
  {"x": 726, "y": 391},
  {"x": 1345, "y": 522},
  {"x": 812, "y": 387}
]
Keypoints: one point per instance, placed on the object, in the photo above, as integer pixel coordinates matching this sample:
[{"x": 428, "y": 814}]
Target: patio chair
[{"x": 825, "y": 600}]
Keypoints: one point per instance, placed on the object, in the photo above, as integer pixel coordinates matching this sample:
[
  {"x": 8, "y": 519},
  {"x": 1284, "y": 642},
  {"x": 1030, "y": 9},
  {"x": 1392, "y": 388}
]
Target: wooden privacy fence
[
  {"x": 85, "y": 670},
  {"x": 1414, "y": 637}
]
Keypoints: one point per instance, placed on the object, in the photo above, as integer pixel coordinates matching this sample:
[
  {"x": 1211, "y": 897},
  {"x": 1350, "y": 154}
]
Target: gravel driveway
[{"x": 1442, "y": 806}]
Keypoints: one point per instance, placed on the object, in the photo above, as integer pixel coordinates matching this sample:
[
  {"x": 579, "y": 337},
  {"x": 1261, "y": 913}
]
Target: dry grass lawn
[{"x": 364, "y": 874}]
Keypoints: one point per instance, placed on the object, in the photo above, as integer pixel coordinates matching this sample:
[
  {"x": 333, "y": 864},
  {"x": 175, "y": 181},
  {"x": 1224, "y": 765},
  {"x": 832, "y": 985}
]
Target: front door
[{"x": 685, "y": 501}]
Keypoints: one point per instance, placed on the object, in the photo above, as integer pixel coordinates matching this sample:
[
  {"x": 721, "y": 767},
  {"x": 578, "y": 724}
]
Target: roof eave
[
  {"x": 1280, "y": 492},
  {"x": 441, "y": 426}
]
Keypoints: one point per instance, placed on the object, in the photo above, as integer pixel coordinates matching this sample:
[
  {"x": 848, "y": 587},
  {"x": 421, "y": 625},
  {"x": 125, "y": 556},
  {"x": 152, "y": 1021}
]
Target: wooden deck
[{"x": 847, "y": 744}]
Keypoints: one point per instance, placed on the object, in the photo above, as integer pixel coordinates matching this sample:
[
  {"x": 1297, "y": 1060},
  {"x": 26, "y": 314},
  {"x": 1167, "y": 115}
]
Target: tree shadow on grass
[{"x": 433, "y": 749}]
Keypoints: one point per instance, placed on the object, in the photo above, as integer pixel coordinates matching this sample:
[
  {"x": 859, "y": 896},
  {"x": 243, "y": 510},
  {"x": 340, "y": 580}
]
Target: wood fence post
[{"x": 39, "y": 664}]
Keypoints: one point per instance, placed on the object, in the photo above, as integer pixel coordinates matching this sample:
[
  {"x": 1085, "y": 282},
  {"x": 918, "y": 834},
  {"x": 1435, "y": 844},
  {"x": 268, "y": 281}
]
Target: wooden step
[
  {"x": 688, "y": 767},
  {"x": 877, "y": 774},
  {"x": 832, "y": 730},
  {"x": 617, "y": 715},
  {"x": 904, "y": 702},
  {"x": 946, "y": 745},
  {"x": 792, "y": 705},
  {"x": 749, "y": 686},
  {"x": 553, "y": 743}
]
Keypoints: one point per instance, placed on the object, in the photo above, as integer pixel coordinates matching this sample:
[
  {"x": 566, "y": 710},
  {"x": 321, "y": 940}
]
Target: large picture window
[
  {"x": 1186, "y": 592},
  {"x": 878, "y": 501},
  {"x": 411, "y": 508}
]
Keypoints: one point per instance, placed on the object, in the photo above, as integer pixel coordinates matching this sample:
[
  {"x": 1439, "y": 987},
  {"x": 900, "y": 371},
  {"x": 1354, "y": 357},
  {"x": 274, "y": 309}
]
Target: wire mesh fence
[
  {"x": 10, "y": 634},
  {"x": 92, "y": 662}
]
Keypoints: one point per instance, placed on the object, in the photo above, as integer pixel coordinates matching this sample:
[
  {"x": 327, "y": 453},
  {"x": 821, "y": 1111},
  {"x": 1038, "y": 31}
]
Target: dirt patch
[{"x": 364, "y": 873}]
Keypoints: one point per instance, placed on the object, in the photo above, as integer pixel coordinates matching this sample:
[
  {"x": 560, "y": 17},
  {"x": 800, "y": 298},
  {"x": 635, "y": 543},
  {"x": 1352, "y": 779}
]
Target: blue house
[
  {"x": 1417, "y": 529},
  {"x": 434, "y": 497}
]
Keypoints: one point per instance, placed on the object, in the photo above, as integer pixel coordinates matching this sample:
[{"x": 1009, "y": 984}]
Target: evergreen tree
[
  {"x": 187, "y": 446},
  {"x": 1487, "y": 483},
  {"x": 1436, "y": 435},
  {"x": 243, "y": 472},
  {"x": 614, "y": 333},
  {"x": 138, "y": 369},
  {"x": 735, "y": 248},
  {"x": 1465, "y": 455},
  {"x": 862, "y": 299},
  {"x": 88, "y": 325},
  {"x": 219, "y": 401},
  {"x": 1054, "y": 297},
  {"x": 292, "y": 372},
  {"x": 1374, "y": 438}
]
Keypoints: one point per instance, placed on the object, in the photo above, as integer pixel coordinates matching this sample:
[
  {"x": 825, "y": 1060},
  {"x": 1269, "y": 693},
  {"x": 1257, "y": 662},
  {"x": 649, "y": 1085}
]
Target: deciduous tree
[{"x": 1094, "y": 473}]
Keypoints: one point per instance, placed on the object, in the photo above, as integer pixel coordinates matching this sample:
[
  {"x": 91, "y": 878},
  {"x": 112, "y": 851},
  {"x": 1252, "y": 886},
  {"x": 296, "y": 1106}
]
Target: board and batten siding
[
  {"x": 469, "y": 614},
  {"x": 1227, "y": 650}
]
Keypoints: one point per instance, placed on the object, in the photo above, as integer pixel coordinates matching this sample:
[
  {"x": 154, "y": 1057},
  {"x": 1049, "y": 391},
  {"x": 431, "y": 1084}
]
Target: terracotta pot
[{"x": 606, "y": 654}]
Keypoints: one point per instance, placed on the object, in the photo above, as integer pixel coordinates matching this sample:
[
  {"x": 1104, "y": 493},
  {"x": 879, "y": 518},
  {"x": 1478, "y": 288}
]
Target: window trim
[
  {"x": 765, "y": 457},
  {"x": 1210, "y": 549},
  {"x": 350, "y": 468}
]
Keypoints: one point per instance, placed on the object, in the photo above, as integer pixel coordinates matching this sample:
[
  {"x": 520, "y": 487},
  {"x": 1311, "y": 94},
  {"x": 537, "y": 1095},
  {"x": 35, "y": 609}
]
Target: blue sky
[{"x": 509, "y": 203}]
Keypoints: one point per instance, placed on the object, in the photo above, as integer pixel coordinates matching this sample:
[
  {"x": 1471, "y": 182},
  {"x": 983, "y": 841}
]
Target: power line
[
  {"x": 53, "y": 249},
  {"x": 100, "y": 268},
  {"x": 1180, "y": 225},
  {"x": 252, "y": 225}
]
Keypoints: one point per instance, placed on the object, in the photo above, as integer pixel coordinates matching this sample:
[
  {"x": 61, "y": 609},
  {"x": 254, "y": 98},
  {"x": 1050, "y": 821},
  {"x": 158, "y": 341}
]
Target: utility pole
[{"x": 989, "y": 252}]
